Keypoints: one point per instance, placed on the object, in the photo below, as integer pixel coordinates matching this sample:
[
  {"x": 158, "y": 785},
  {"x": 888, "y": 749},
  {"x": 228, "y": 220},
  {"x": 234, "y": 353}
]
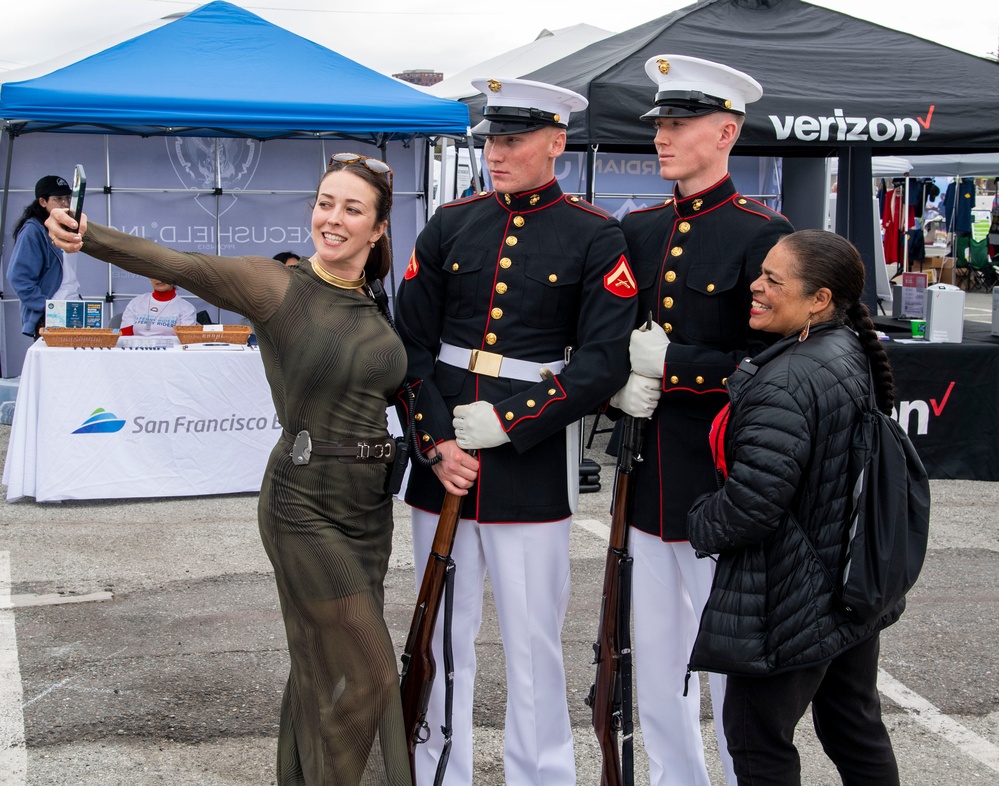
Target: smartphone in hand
[{"x": 79, "y": 189}]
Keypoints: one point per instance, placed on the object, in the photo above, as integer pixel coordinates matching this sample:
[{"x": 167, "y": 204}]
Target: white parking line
[
  {"x": 914, "y": 705},
  {"x": 13, "y": 754},
  {"x": 925, "y": 714}
]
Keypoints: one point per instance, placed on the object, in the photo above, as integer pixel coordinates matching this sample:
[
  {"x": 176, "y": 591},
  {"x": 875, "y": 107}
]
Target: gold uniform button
[
  {"x": 699, "y": 380},
  {"x": 675, "y": 251},
  {"x": 490, "y": 338},
  {"x": 509, "y": 416},
  {"x": 551, "y": 391},
  {"x": 426, "y": 437},
  {"x": 667, "y": 328},
  {"x": 684, "y": 227},
  {"x": 497, "y": 313},
  {"x": 674, "y": 379},
  {"x": 742, "y": 201},
  {"x": 724, "y": 381},
  {"x": 574, "y": 199},
  {"x": 530, "y": 402},
  {"x": 511, "y": 241},
  {"x": 711, "y": 287},
  {"x": 518, "y": 221},
  {"x": 553, "y": 278},
  {"x": 505, "y": 262},
  {"x": 483, "y": 193},
  {"x": 667, "y": 302},
  {"x": 418, "y": 416},
  {"x": 668, "y": 201},
  {"x": 501, "y": 288},
  {"x": 670, "y": 276},
  {"x": 454, "y": 267}
]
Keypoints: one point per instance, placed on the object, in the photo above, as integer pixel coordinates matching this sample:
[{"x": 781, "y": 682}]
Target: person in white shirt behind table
[{"x": 156, "y": 313}]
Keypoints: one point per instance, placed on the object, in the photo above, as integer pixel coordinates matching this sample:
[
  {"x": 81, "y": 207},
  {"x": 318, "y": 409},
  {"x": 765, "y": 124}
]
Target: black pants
[{"x": 761, "y": 713}]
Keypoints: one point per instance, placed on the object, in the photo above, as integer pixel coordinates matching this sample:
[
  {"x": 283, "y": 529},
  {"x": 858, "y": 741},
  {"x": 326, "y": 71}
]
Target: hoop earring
[{"x": 804, "y": 331}]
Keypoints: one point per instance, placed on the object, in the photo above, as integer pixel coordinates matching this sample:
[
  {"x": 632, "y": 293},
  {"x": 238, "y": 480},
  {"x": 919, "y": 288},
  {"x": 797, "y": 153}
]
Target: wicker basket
[
  {"x": 229, "y": 334},
  {"x": 80, "y": 337}
]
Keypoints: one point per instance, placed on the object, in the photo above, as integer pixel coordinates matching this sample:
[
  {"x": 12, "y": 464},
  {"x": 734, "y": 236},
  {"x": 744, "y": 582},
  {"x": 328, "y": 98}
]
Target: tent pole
[
  {"x": 3, "y": 233},
  {"x": 6, "y": 194},
  {"x": 591, "y": 173},
  {"x": 476, "y": 177},
  {"x": 107, "y": 206},
  {"x": 383, "y": 148},
  {"x": 854, "y": 217},
  {"x": 905, "y": 225}
]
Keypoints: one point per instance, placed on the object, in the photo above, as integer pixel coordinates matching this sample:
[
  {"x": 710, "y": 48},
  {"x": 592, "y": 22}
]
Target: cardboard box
[
  {"x": 74, "y": 313},
  {"x": 944, "y": 313},
  {"x": 942, "y": 269}
]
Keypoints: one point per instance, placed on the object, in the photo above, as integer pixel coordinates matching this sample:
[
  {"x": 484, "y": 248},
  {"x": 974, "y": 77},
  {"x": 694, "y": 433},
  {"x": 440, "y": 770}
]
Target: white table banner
[{"x": 117, "y": 423}]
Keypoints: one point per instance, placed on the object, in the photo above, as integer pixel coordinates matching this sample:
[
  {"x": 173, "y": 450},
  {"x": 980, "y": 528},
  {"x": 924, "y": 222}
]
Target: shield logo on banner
[{"x": 193, "y": 160}]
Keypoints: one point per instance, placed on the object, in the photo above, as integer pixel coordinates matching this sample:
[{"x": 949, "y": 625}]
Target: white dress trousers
[
  {"x": 670, "y": 587},
  {"x": 528, "y": 566}
]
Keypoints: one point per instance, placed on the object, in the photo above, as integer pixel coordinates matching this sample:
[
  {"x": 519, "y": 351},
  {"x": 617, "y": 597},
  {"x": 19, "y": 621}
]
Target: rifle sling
[
  {"x": 448, "y": 672},
  {"x": 627, "y": 710}
]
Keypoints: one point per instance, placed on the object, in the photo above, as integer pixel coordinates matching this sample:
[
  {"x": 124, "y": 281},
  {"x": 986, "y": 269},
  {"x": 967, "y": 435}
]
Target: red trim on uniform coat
[{"x": 513, "y": 423}]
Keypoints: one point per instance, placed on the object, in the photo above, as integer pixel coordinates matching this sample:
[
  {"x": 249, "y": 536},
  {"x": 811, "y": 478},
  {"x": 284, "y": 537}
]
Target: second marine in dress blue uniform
[
  {"x": 694, "y": 257},
  {"x": 523, "y": 276}
]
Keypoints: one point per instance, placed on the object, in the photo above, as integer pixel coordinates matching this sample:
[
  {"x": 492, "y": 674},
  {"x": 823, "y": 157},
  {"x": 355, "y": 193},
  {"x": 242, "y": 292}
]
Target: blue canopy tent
[
  {"x": 223, "y": 71},
  {"x": 222, "y": 106}
]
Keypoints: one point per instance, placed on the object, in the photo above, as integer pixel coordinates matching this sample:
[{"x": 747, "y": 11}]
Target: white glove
[
  {"x": 648, "y": 351},
  {"x": 477, "y": 425},
  {"x": 638, "y": 397}
]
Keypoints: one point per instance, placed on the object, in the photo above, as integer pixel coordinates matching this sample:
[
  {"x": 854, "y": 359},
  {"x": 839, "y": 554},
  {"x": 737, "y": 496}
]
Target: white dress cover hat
[
  {"x": 516, "y": 106},
  {"x": 690, "y": 86}
]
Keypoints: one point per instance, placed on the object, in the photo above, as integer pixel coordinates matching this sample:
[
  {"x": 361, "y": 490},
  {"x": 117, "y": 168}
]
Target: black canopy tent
[{"x": 832, "y": 84}]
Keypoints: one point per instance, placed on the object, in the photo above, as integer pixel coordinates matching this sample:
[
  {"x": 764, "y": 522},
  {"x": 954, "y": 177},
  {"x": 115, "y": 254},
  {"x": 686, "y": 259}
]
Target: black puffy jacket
[{"x": 787, "y": 446}]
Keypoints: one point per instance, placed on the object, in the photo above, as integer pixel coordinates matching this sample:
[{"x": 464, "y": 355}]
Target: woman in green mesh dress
[{"x": 333, "y": 362}]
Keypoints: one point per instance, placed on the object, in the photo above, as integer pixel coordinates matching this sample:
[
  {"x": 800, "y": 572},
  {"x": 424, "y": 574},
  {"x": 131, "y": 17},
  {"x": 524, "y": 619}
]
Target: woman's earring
[{"x": 804, "y": 331}]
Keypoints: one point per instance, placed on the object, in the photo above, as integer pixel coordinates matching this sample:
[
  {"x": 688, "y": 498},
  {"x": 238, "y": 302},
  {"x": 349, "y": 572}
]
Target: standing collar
[
  {"x": 696, "y": 204},
  {"x": 535, "y": 199}
]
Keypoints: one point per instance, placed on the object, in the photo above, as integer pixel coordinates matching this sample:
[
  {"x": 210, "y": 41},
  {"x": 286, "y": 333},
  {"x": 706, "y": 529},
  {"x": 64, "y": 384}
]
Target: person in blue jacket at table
[{"x": 38, "y": 271}]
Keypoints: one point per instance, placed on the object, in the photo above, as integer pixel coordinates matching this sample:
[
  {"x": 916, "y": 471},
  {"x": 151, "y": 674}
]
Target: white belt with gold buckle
[{"x": 492, "y": 364}]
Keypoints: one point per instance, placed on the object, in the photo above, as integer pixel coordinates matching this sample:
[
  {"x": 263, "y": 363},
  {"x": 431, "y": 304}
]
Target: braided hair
[{"x": 824, "y": 259}]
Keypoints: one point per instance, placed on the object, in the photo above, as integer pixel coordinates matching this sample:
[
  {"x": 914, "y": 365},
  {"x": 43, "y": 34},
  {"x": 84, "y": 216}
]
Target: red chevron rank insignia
[
  {"x": 620, "y": 281},
  {"x": 412, "y": 268}
]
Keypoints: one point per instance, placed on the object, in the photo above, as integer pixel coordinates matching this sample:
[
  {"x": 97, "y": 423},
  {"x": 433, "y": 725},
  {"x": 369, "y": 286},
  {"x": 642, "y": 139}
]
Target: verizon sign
[{"x": 840, "y": 127}]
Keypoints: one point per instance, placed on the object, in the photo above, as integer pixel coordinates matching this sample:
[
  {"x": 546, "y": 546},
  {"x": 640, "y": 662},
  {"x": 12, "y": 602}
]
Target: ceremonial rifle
[
  {"x": 418, "y": 666},
  {"x": 610, "y": 693}
]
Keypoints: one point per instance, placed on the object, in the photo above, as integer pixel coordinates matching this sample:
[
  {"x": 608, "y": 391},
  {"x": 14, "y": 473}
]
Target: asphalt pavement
[{"x": 142, "y": 643}]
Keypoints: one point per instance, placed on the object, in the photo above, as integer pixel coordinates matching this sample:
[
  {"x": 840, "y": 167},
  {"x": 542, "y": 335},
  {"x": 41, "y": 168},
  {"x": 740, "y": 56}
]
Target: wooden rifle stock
[
  {"x": 418, "y": 667},
  {"x": 610, "y": 693}
]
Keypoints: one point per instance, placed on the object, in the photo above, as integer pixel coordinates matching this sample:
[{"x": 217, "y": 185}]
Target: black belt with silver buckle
[{"x": 349, "y": 451}]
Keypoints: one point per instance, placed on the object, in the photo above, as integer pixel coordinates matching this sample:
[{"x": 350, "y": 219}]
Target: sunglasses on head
[{"x": 376, "y": 165}]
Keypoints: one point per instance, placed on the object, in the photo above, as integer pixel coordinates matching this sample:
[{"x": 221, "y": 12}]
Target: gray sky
[{"x": 391, "y": 35}]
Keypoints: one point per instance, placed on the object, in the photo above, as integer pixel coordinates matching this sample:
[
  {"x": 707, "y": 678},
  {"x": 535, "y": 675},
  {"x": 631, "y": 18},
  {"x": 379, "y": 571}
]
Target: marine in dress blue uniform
[
  {"x": 500, "y": 284},
  {"x": 695, "y": 256}
]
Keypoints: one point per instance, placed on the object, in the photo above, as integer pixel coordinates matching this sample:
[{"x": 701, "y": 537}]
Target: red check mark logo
[
  {"x": 939, "y": 408},
  {"x": 929, "y": 116}
]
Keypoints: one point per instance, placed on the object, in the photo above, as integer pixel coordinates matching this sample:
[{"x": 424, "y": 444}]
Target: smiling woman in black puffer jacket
[{"x": 771, "y": 622}]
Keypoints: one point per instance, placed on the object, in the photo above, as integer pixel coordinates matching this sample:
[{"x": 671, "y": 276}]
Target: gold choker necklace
[{"x": 341, "y": 283}]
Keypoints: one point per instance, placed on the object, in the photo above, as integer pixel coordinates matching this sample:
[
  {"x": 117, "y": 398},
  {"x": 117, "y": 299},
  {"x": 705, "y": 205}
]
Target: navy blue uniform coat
[
  {"x": 522, "y": 275},
  {"x": 695, "y": 257}
]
